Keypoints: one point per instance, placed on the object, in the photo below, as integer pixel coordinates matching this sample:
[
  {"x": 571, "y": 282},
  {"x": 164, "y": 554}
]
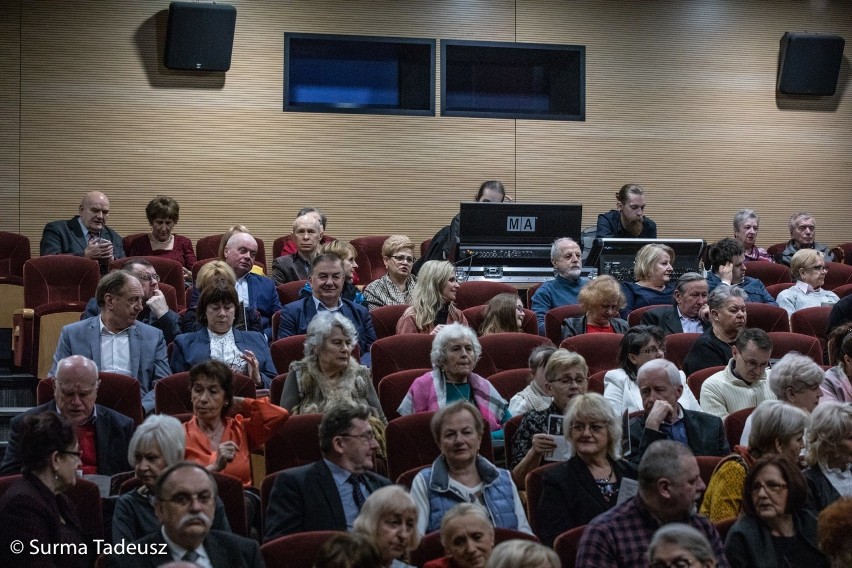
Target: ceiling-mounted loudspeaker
[
  {"x": 809, "y": 63},
  {"x": 200, "y": 37}
]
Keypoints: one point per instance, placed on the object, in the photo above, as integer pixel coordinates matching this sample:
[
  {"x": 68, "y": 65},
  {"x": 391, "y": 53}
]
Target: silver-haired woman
[
  {"x": 455, "y": 351},
  {"x": 678, "y": 544},
  {"x": 829, "y": 472},
  {"x": 328, "y": 375}
]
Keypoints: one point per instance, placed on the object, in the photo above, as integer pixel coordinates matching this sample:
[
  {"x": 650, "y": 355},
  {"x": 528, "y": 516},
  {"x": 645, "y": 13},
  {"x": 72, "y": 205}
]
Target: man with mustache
[
  {"x": 627, "y": 220},
  {"x": 185, "y": 502},
  {"x": 566, "y": 257}
]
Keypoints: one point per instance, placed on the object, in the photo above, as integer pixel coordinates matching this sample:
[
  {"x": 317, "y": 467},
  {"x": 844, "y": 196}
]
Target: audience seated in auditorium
[
  {"x": 837, "y": 385},
  {"x": 455, "y": 351},
  {"x": 307, "y": 232},
  {"x": 602, "y": 299},
  {"x": 186, "y": 490},
  {"x": 327, "y": 277},
  {"x": 665, "y": 419},
  {"x": 802, "y": 236},
  {"x": 467, "y": 536},
  {"x": 155, "y": 311},
  {"x": 395, "y": 287},
  {"x": 461, "y": 475},
  {"x": 777, "y": 428},
  {"x": 157, "y": 444},
  {"x": 491, "y": 191},
  {"x": 115, "y": 340},
  {"x": 85, "y": 234},
  {"x": 653, "y": 272},
  {"x": 328, "y": 494},
  {"x": 566, "y": 257},
  {"x": 744, "y": 383},
  {"x": 809, "y": 269},
  {"x": 163, "y": 213},
  {"x": 588, "y": 484},
  {"x": 566, "y": 377},
  {"x": 34, "y": 509},
  {"x": 628, "y": 219},
  {"x": 746, "y": 226},
  {"x": 775, "y": 528},
  {"x": 641, "y": 343},
  {"x": 216, "y": 440},
  {"x": 534, "y": 396},
  {"x": 389, "y": 519},
  {"x": 829, "y": 471},
  {"x": 727, "y": 318},
  {"x": 346, "y": 253},
  {"x": 727, "y": 266},
  {"x": 328, "y": 375},
  {"x": 219, "y": 272},
  {"x": 678, "y": 544},
  {"x": 689, "y": 313},
  {"x": 432, "y": 300},
  {"x": 504, "y": 313},
  {"x": 245, "y": 352},
  {"x": 669, "y": 483},
  {"x": 103, "y": 433}
]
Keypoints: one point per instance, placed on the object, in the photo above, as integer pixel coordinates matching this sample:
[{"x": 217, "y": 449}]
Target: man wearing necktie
[
  {"x": 665, "y": 419},
  {"x": 185, "y": 502},
  {"x": 86, "y": 234},
  {"x": 689, "y": 314}
]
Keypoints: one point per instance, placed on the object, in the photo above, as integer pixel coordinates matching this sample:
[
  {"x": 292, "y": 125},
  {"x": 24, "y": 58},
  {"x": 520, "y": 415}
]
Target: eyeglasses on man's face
[{"x": 149, "y": 277}]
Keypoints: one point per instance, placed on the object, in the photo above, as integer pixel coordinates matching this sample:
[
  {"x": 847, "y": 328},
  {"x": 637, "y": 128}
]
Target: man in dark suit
[
  {"x": 104, "y": 434},
  {"x": 665, "y": 419},
  {"x": 328, "y": 494},
  {"x": 307, "y": 233},
  {"x": 185, "y": 502},
  {"x": 115, "y": 340},
  {"x": 155, "y": 311},
  {"x": 689, "y": 313},
  {"x": 327, "y": 276},
  {"x": 85, "y": 234}
]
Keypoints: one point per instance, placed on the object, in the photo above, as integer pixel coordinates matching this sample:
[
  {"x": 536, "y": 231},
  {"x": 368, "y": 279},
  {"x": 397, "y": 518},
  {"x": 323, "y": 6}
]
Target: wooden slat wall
[{"x": 680, "y": 97}]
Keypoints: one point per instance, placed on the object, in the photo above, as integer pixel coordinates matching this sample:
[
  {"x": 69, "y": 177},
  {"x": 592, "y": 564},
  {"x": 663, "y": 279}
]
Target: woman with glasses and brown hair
[
  {"x": 808, "y": 269},
  {"x": 395, "y": 287},
  {"x": 776, "y": 530},
  {"x": 578, "y": 490},
  {"x": 34, "y": 507},
  {"x": 640, "y": 344}
]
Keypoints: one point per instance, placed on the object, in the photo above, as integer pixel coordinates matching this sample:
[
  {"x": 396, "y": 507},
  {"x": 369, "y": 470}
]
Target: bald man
[
  {"x": 104, "y": 434},
  {"x": 85, "y": 234}
]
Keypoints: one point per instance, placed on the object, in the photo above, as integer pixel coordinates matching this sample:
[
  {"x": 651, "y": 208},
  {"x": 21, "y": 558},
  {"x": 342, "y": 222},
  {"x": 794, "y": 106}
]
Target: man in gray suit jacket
[
  {"x": 85, "y": 234},
  {"x": 185, "y": 502},
  {"x": 689, "y": 313},
  {"x": 115, "y": 340},
  {"x": 665, "y": 419},
  {"x": 328, "y": 494}
]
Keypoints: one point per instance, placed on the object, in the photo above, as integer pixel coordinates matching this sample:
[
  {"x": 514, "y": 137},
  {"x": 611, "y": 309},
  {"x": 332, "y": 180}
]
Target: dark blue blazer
[
  {"x": 66, "y": 237},
  {"x": 169, "y": 324},
  {"x": 191, "y": 348},
  {"x": 262, "y": 296},
  {"x": 112, "y": 436},
  {"x": 296, "y": 316}
]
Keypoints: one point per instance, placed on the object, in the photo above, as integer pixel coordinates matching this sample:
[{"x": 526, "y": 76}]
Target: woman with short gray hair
[
  {"x": 727, "y": 318},
  {"x": 746, "y": 226},
  {"x": 679, "y": 544},
  {"x": 455, "y": 351},
  {"x": 328, "y": 374},
  {"x": 797, "y": 379},
  {"x": 829, "y": 473}
]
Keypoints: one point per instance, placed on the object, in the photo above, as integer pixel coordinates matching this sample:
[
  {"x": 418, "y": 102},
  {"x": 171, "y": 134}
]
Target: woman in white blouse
[{"x": 640, "y": 344}]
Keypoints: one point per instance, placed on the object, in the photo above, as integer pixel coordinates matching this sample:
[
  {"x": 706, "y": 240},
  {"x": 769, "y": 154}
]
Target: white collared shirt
[
  {"x": 178, "y": 551},
  {"x": 242, "y": 289},
  {"x": 115, "y": 350}
]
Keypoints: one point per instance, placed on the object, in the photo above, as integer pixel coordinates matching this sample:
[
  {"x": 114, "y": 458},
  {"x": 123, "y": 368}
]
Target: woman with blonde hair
[
  {"x": 504, "y": 313},
  {"x": 395, "y": 287},
  {"x": 432, "y": 300},
  {"x": 808, "y": 267},
  {"x": 601, "y": 298},
  {"x": 653, "y": 271},
  {"x": 389, "y": 519}
]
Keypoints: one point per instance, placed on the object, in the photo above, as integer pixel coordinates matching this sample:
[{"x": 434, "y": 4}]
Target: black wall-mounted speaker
[
  {"x": 200, "y": 37},
  {"x": 810, "y": 63}
]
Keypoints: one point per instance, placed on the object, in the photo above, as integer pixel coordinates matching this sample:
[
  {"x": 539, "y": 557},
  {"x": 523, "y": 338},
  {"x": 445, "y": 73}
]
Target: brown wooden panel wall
[{"x": 680, "y": 97}]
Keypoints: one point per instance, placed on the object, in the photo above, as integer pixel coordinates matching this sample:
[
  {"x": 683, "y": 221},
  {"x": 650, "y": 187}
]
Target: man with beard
[
  {"x": 185, "y": 502},
  {"x": 567, "y": 260},
  {"x": 627, "y": 220}
]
